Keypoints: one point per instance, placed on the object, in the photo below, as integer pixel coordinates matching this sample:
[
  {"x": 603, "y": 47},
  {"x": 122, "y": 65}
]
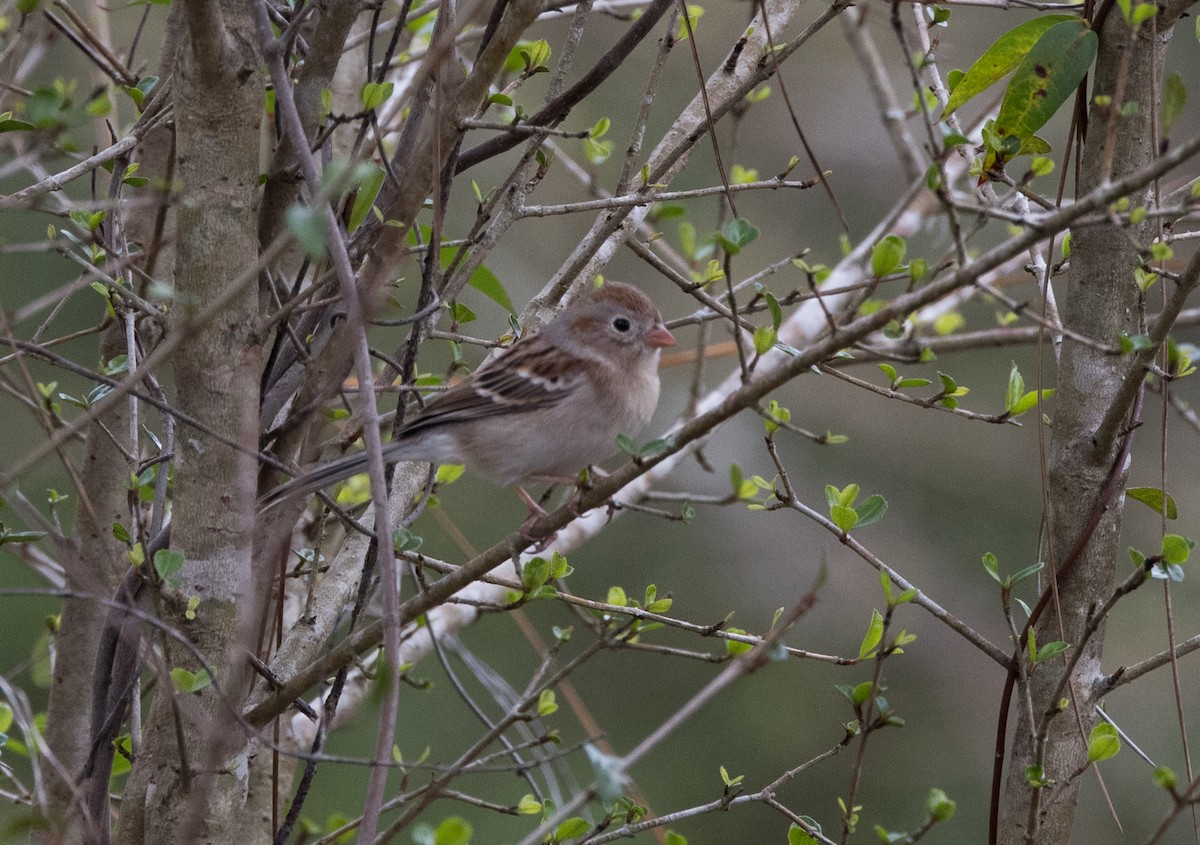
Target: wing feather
[{"x": 532, "y": 375}]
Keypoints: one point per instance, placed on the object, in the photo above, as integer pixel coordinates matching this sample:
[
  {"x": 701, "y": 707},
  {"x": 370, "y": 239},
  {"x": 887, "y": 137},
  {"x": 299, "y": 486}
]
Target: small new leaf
[
  {"x": 1016, "y": 389},
  {"x": 888, "y": 255},
  {"x": 1103, "y": 742},
  {"x": 1176, "y": 549},
  {"x": 728, "y": 781},
  {"x": 843, "y": 517},
  {"x": 874, "y": 635},
  {"x": 939, "y": 807}
]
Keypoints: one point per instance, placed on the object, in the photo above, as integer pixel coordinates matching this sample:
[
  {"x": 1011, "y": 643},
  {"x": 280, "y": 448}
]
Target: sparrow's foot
[{"x": 536, "y": 512}]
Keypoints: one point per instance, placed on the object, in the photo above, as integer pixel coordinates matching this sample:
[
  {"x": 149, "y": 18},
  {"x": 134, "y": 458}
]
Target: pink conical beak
[{"x": 659, "y": 337}]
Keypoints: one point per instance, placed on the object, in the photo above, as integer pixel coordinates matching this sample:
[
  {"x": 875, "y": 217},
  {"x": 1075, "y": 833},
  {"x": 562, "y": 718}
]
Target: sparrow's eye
[{"x": 621, "y": 324}]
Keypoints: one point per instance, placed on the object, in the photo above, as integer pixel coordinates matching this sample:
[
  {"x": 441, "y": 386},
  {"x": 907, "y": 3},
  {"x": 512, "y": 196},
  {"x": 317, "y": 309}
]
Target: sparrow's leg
[{"x": 536, "y": 512}]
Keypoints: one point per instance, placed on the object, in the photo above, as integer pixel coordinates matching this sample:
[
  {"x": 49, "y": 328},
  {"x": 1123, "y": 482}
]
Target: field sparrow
[{"x": 552, "y": 405}]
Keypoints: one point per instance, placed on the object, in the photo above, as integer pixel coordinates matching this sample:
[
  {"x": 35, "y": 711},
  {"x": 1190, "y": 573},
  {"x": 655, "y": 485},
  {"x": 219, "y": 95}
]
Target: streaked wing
[{"x": 531, "y": 376}]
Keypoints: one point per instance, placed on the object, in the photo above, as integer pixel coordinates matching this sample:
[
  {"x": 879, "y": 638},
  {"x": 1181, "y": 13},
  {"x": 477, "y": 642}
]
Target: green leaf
[
  {"x": 777, "y": 416},
  {"x": 546, "y": 704},
  {"x": 871, "y": 510},
  {"x": 529, "y": 805},
  {"x": 1103, "y": 742},
  {"x": 992, "y": 565},
  {"x": 6, "y": 716},
  {"x": 764, "y": 339},
  {"x": 1048, "y": 75},
  {"x": 625, "y": 444},
  {"x": 888, "y": 255},
  {"x": 485, "y": 281},
  {"x": 861, "y": 692},
  {"x": 693, "y": 16},
  {"x": 597, "y": 152},
  {"x": 559, "y": 568},
  {"x": 1032, "y": 569},
  {"x": 673, "y": 838},
  {"x": 1035, "y": 145},
  {"x": 939, "y": 807},
  {"x": 404, "y": 540},
  {"x": 8, "y": 536},
  {"x": 1041, "y": 165},
  {"x": 1051, "y": 649},
  {"x": 1030, "y": 400},
  {"x": 843, "y": 517},
  {"x": 460, "y": 313},
  {"x": 186, "y": 681},
  {"x": 687, "y": 238},
  {"x": 1176, "y": 549},
  {"x": 364, "y": 200},
  {"x": 168, "y": 562},
  {"x": 8, "y": 124},
  {"x": 775, "y": 309},
  {"x": 1142, "y": 12},
  {"x": 449, "y": 473},
  {"x": 739, "y": 175},
  {"x": 847, "y": 496},
  {"x": 736, "y": 235},
  {"x": 571, "y": 828},
  {"x": 1016, "y": 388},
  {"x": 732, "y": 647},
  {"x": 874, "y": 635},
  {"x": 1154, "y": 499},
  {"x": 535, "y": 574},
  {"x": 308, "y": 227},
  {"x": 743, "y": 487},
  {"x": 799, "y": 836},
  {"x": 939, "y": 15},
  {"x": 1000, "y": 59},
  {"x": 886, "y": 583},
  {"x": 453, "y": 831},
  {"x": 950, "y": 386},
  {"x": 374, "y": 94},
  {"x": 1134, "y": 343},
  {"x": 124, "y": 752},
  {"x": 918, "y": 269},
  {"x": 535, "y": 54},
  {"x": 654, "y": 447}
]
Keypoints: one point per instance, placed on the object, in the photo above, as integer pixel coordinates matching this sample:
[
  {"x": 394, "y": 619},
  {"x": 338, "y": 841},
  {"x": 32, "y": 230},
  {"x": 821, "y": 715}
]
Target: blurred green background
[{"x": 956, "y": 489}]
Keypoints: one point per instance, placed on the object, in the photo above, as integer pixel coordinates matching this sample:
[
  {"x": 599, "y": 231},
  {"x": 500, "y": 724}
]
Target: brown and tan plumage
[{"x": 550, "y": 406}]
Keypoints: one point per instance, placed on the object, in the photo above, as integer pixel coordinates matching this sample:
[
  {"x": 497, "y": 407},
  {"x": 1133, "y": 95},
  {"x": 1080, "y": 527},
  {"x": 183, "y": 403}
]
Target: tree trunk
[
  {"x": 1102, "y": 303},
  {"x": 192, "y": 778}
]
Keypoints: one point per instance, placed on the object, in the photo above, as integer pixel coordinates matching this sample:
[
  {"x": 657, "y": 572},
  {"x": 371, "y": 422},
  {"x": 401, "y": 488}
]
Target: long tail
[{"x": 311, "y": 482}]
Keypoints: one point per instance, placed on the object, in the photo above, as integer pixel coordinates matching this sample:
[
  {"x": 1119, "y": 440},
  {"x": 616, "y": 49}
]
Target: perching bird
[{"x": 551, "y": 406}]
